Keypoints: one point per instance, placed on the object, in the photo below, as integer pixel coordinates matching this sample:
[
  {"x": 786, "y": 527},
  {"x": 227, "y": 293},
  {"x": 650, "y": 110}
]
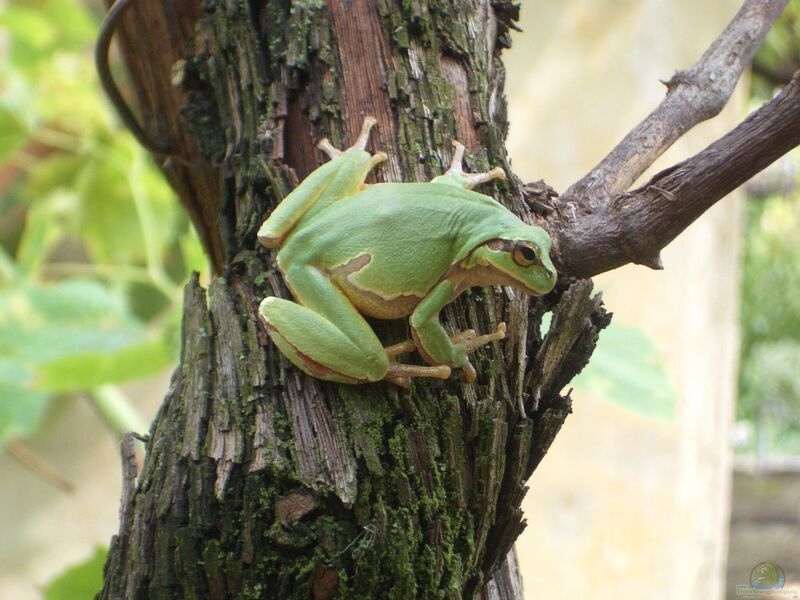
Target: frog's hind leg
[
  {"x": 455, "y": 175},
  {"x": 318, "y": 347},
  {"x": 324, "y": 335},
  {"x": 401, "y": 374},
  {"x": 270, "y": 315}
]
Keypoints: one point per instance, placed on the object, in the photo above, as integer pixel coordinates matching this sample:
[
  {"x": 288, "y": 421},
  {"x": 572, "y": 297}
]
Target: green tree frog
[{"x": 390, "y": 250}]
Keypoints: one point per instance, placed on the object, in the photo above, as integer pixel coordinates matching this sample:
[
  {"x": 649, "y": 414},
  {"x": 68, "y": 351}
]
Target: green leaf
[
  {"x": 110, "y": 224},
  {"x": 13, "y": 133},
  {"x": 76, "y": 26},
  {"x": 194, "y": 257},
  {"x": 29, "y": 25},
  {"x": 43, "y": 230},
  {"x": 79, "y": 582},
  {"x": 45, "y": 322},
  {"x": 37, "y": 30},
  {"x": 626, "y": 370},
  {"x": 54, "y": 172},
  {"x": 39, "y": 323},
  {"x": 91, "y": 369},
  {"x": 21, "y": 406}
]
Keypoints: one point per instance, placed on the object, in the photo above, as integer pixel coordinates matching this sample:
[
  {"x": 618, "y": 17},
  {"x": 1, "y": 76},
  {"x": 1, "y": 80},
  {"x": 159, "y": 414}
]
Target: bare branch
[
  {"x": 692, "y": 96},
  {"x": 635, "y": 226}
]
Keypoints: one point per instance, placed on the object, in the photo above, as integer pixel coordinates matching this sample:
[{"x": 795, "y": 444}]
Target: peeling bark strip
[{"x": 261, "y": 482}]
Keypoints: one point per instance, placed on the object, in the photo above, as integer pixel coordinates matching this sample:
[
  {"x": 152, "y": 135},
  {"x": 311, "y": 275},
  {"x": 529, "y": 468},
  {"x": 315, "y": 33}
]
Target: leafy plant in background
[
  {"x": 80, "y": 581},
  {"x": 770, "y": 315},
  {"x": 94, "y": 249},
  {"x": 769, "y": 392},
  {"x": 626, "y": 370},
  {"x": 779, "y": 56}
]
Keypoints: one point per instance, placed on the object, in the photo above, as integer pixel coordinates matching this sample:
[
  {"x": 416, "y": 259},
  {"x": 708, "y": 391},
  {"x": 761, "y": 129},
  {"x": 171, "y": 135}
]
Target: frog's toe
[
  {"x": 403, "y": 382},
  {"x": 476, "y": 342},
  {"x": 400, "y": 373},
  {"x": 377, "y": 159},
  {"x": 329, "y": 149},
  {"x": 474, "y": 179},
  {"x": 468, "y": 180},
  {"x": 363, "y": 137},
  {"x": 470, "y": 374},
  {"x": 360, "y": 144}
]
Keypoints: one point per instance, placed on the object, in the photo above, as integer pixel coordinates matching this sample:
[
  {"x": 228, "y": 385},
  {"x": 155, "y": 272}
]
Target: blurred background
[{"x": 679, "y": 470}]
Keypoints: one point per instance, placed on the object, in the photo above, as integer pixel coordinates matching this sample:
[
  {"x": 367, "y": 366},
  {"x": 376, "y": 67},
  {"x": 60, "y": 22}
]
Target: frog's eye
[{"x": 525, "y": 256}]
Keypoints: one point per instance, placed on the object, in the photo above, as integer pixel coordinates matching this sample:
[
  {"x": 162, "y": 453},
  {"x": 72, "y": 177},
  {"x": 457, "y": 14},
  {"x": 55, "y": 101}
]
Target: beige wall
[{"x": 625, "y": 506}]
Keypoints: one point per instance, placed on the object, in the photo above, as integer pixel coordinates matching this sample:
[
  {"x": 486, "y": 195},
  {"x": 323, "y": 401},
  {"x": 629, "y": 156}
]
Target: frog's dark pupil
[{"x": 528, "y": 253}]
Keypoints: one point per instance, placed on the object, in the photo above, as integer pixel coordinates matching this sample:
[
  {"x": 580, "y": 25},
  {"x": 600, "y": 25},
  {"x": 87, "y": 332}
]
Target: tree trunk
[{"x": 260, "y": 482}]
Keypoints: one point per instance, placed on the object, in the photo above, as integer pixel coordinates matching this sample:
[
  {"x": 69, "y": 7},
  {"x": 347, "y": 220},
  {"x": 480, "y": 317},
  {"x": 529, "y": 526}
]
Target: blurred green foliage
[
  {"x": 80, "y": 581},
  {"x": 779, "y": 56},
  {"x": 769, "y": 388},
  {"x": 627, "y": 370},
  {"x": 94, "y": 248}
]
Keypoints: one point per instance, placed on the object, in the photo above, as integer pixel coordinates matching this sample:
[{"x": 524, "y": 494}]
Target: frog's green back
[{"x": 412, "y": 232}]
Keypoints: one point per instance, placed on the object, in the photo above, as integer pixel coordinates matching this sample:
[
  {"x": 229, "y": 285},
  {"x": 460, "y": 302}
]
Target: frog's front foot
[
  {"x": 472, "y": 342},
  {"x": 360, "y": 144}
]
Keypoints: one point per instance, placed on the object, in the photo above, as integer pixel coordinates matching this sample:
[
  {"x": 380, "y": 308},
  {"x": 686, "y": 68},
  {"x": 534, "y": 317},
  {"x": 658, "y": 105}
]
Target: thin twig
[
  {"x": 36, "y": 465},
  {"x": 107, "y": 30}
]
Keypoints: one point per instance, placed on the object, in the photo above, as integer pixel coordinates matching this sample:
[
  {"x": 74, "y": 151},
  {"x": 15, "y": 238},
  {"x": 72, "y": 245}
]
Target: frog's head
[{"x": 520, "y": 259}]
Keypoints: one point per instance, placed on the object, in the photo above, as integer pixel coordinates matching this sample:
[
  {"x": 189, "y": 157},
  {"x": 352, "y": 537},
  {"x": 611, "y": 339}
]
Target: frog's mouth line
[
  {"x": 492, "y": 275},
  {"x": 499, "y": 276}
]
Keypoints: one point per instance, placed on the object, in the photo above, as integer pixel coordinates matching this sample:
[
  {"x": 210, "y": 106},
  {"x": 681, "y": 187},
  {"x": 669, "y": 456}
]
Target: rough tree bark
[{"x": 260, "y": 482}]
